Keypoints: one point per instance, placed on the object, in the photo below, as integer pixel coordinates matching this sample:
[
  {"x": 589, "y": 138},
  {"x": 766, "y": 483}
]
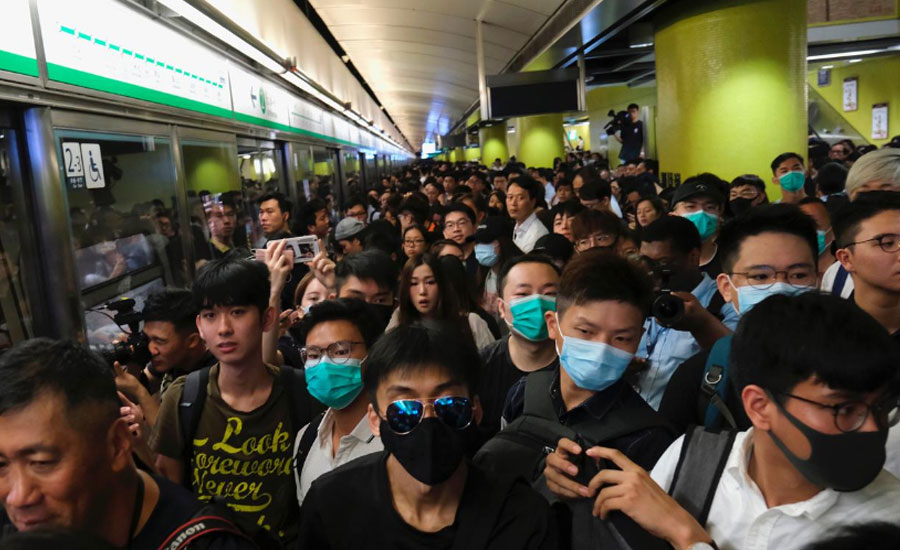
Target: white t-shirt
[{"x": 739, "y": 518}]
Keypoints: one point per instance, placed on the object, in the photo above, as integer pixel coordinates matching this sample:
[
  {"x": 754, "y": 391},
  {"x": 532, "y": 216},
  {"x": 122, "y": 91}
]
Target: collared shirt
[
  {"x": 319, "y": 461},
  {"x": 666, "y": 348},
  {"x": 527, "y": 233},
  {"x": 740, "y": 519}
]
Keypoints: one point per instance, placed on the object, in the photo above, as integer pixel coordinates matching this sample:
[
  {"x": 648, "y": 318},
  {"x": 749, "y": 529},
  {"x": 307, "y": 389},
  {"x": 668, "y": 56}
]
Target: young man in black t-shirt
[
  {"x": 632, "y": 135},
  {"x": 422, "y": 492},
  {"x": 66, "y": 455},
  {"x": 527, "y": 288}
]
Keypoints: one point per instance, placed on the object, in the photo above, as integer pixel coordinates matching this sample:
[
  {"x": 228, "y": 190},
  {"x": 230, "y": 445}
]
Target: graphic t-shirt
[{"x": 242, "y": 459}]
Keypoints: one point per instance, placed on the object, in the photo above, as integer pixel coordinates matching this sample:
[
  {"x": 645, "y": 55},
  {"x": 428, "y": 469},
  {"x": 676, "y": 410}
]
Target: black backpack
[{"x": 521, "y": 448}]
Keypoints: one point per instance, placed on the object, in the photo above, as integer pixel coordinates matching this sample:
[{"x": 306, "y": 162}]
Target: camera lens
[{"x": 668, "y": 309}]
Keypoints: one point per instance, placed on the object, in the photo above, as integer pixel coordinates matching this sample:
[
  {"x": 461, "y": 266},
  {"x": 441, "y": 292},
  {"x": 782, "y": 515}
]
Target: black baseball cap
[
  {"x": 554, "y": 245},
  {"x": 492, "y": 228},
  {"x": 693, "y": 189}
]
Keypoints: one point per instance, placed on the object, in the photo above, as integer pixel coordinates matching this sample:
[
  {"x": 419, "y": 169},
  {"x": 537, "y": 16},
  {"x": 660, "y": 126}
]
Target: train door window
[
  {"x": 222, "y": 215},
  {"x": 260, "y": 165},
  {"x": 303, "y": 171},
  {"x": 121, "y": 197},
  {"x": 352, "y": 171},
  {"x": 324, "y": 175},
  {"x": 15, "y": 310}
]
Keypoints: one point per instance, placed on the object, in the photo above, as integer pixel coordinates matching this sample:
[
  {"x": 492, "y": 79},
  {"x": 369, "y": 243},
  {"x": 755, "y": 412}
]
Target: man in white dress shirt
[
  {"x": 521, "y": 200},
  {"x": 813, "y": 458},
  {"x": 339, "y": 334}
]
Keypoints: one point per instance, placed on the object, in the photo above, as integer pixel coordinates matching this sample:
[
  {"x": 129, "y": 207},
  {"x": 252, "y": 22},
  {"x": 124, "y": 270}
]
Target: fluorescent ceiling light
[
  {"x": 206, "y": 23},
  {"x": 843, "y": 54},
  {"x": 854, "y": 60},
  {"x": 827, "y": 67},
  {"x": 641, "y": 45}
]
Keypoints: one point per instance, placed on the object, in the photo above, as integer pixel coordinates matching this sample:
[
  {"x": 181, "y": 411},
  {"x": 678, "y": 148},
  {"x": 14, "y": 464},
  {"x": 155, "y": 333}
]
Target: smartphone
[{"x": 303, "y": 249}]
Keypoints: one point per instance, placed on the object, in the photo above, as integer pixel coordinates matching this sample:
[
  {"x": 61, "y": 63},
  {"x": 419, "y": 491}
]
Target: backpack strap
[
  {"x": 700, "y": 465},
  {"x": 190, "y": 409},
  {"x": 840, "y": 279},
  {"x": 715, "y": 384},
  {"x": 716, "y": 303},
  {"x": 306, "y": 443},
  {"x": 537, "y": 395},
  {"x": 197, "y": 527}
]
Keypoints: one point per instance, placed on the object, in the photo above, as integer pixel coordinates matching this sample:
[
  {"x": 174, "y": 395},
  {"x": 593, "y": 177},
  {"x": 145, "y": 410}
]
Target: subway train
[{"x": 119, "y": 126}]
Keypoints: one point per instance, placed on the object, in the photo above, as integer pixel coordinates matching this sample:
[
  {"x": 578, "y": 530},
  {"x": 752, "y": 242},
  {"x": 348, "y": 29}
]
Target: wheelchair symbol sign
[{"x": 93, "y": 166}]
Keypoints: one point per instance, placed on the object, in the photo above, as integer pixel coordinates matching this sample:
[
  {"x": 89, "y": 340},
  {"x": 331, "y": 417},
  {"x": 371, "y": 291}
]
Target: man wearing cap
[
  {"x": 556, "y": 247},
  {"x": 349, "y": 235},
  {"x": 700, "y": 200}
]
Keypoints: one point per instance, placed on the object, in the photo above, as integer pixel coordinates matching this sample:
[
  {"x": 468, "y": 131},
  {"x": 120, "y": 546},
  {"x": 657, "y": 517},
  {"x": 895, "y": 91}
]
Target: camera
[
  {"x": 667, "y": 308},
  {"x": 618, "y": 120},
  {"x": 135, "y": 350}
]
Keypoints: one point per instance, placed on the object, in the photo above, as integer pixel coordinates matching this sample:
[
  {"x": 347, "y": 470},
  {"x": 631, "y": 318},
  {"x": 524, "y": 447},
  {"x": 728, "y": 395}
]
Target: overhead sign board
[{"x": 17, "y": 52}]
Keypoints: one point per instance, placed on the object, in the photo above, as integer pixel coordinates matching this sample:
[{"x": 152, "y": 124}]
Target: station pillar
[
  {"x": 493, "y": 143},
  {"x": 541, "y": 140},
  {"x": 731, "y": 81}
]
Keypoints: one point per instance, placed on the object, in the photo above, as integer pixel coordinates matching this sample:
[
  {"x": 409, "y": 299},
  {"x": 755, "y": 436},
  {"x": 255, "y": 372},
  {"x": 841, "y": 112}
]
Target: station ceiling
[{"x": 419, "y": 56}]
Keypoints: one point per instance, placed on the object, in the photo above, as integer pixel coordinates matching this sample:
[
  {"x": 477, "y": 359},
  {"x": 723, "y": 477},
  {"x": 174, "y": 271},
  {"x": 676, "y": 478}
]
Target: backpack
[
  {"x": 700, "y": 465},
  {"x": 714, "y": 385},
  {"x": 520, "y": 449},
  {"x": 306, "y": 443}
]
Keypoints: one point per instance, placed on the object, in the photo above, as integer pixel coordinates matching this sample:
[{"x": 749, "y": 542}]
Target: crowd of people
[{"x": 502, "y": 357}]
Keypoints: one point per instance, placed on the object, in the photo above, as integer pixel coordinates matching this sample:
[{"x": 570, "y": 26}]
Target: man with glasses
[
  {"x": 459, "y": 227},
  {"x": 867, "y": 231},
  {"x": 769, "y": 250},
  {"x": 746, "y": 192},
  {"x": 422, "y": 491},
  {"x": 812, "y": 459},
  {"x": 595, "y": 229},
  {"x": 339, "y": 334}
]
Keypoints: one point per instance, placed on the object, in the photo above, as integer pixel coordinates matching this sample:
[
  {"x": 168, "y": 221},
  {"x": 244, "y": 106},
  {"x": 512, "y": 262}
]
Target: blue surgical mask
[
  {"x": 528, "y": 316},
  {"x": 705, "y": 222},
  {"x": 748, "y": 296},
  {"x": 792, "y": 181},
  {"x": 486, "y": 254},
  {"x": 593, "y": 366},
  {"x": 820, "y": 237},
  {"x": 335, "y": 385}
]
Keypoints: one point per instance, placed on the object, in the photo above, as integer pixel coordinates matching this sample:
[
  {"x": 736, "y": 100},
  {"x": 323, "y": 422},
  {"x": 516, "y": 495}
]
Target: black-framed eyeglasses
[
  {"x": 339, "y": 352},
  {"x": 404, "y": 415},
  {"x": 851, "y": 415},
  {"x": 763, "y": 277},
  {"x": 889, "y": 242}
]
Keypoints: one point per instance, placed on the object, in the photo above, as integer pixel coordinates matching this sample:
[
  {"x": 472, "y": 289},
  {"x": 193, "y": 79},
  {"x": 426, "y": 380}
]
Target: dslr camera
[
  {"x": 135, "y": 350},
  {"x": 617, "y": 121},
  {"x": 667, "y": 308}
]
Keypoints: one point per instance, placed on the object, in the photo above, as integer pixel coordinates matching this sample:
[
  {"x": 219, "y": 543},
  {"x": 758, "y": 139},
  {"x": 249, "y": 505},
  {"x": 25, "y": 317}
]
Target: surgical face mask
[
  {"x": 792, "y": 181},
  {"x": 486, "y": 254},
  {"x": 528, "y": 316},
  {"x": 748, "y": 296},
  {"x": 593, "y": 366},
  {"x": 335, "y": 385},
  {"x": 705, "y": 222},
  {"x": 820, "y": 237},
  {"x": 843, "y": 462}
]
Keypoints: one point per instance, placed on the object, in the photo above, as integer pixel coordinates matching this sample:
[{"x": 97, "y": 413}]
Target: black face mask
[
  {"x": 843, "y": 462},
  {"x": 432, "y": 452},
  {"x": 382, "y": 314},
  {"x": 740, "y": 205}
]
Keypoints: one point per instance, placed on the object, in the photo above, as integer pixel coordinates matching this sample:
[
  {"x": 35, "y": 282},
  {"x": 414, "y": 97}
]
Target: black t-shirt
[
  {"x": 498, "y": 375},
  {"x": 350, "y": 508},
  {"x": 632, "y": 140},
  {"x": 175, "y": 507},
  {"x": 683, "y": 404},
  {"x": 714, "y": 267}
]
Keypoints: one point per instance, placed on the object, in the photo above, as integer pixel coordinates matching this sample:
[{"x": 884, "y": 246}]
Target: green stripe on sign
[
  {"x": 75, "y": 77},
  {"x": 126, "y": 52},
  {"x": 114, "y": 47},
  {"x": 99, "y": 42},
  {"x": 67, "y": 30},
  {"x": 83, "y": 36},
  {"x": 240, "y": 117},
  {"x": 139, "y": 56},
  {"x": 160, "y": 63},
  {"x": 150, "y": 60},
  {"x": 16, "y": 63}
]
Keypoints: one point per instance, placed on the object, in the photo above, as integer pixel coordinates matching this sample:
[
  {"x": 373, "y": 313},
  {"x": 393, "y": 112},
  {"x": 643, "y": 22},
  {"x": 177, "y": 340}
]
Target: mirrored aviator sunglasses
[{"x": 404, "y": 415}]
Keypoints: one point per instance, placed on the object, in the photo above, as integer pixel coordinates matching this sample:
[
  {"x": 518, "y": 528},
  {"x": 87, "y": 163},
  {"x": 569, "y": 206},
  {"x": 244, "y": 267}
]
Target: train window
[
  {"x": 15, "y": 313},
  {"x": 123, "y": 219},
  {"x": 351, "y": 171},
  {"x": 220, "y": 202},
  {"x": 303, "y": 171}
]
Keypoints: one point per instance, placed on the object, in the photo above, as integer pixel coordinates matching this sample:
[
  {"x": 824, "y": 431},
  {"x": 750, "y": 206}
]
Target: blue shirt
[{"x": 666, "y": 348}]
